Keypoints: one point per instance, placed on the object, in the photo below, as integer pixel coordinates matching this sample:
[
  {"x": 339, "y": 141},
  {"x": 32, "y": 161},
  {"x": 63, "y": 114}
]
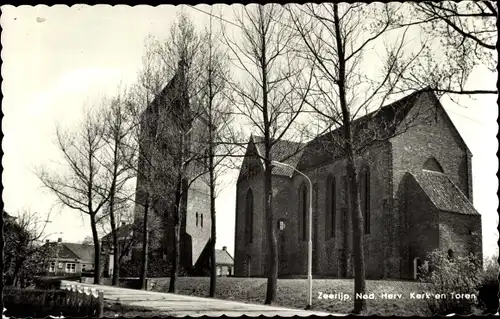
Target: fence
[{"x": 80, "y": 296}]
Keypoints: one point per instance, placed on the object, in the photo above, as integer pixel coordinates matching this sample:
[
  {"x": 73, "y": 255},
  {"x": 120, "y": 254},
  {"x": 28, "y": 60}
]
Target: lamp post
[{"x": 309, "y": 244}]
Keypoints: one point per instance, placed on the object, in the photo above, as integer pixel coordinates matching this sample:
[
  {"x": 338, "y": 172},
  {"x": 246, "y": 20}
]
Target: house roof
[
  {"x": 443, "y": 193},
  {"x": 222, "y": 257},
  {"x": 122, "y": 231},
  {"x": 83, "y": 252}
]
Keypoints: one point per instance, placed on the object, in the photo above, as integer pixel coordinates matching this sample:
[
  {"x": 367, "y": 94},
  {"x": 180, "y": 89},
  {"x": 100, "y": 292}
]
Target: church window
[
  {"x": 249, "y": 216},
  {"x": 303, "y": 211},
  {"x": 196, "y": 219},
  {"x": 364, "y": 187},
  {"x": 201, "y": 220},
  {"x": 432, "y": 164},
  {"x": 331, "y": 208}
]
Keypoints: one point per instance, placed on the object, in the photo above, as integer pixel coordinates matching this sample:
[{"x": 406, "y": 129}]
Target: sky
[{"x": 58, "y": 59}]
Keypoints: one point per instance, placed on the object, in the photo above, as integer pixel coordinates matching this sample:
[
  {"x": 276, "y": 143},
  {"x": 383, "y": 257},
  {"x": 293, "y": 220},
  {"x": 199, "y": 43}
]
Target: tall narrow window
[
  {"x": 431, "y": 164},
  {"x": 364, "y": 187},
  {"x": 331, "y": 207},
  {"x": 196, "y": 219},
  {"x": 249, "y": 216},
  {"x": 201, "y": 220},
  {"x": 303, "y": 211}
]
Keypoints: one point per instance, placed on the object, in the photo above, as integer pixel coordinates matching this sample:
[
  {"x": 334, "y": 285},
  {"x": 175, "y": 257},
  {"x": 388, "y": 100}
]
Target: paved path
[{"x": 181, "y": 305}]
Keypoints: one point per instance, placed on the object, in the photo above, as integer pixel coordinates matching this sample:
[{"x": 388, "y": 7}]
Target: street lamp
[{"x": 309, "y": 244}]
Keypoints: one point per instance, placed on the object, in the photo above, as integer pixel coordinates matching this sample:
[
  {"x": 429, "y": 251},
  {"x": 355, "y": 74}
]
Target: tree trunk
[
  {"x": 176, "y": 251},
  {"x": 272, "y": 278},
  {"x": 97, "y": 251},
  {"x": 145, "y": 246},
  {"x": 354, "y": 205},
  {"x": 213, "y": 261},
  {"x": 114, "y": 280}
]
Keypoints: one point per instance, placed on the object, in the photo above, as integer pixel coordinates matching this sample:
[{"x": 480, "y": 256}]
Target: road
[{"x": 181, "y": 305}]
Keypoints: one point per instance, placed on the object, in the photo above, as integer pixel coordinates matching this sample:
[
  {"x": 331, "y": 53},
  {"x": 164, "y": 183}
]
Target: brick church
[
  {"x": 415, "y": 180},
  {"x": 168, "y": 126}
]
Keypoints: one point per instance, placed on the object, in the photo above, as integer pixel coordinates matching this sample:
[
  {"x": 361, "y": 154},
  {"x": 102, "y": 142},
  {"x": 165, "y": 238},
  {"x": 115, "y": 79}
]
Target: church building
[
  {"x": 415, "y": 182},
  {"x": 171, "y": 126}
]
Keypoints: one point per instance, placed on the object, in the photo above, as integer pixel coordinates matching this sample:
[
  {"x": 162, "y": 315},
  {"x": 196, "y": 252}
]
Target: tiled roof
[
  {"x": 284, "y": 151},
  {"x": 380, "y": 124},
  {"x": 443, "y": 193},
  {"x": 122, "y": 231},
  {"x": 223, "y": 258},
  {"x": 85, "y": 252}
]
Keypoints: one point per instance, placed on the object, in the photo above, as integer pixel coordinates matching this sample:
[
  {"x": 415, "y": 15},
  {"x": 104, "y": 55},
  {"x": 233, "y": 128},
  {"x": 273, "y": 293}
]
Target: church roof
[
  {"x": 379, "y": 124},
  {"x": 443, "y": 193},
  {"x": 283, "y": 151}
]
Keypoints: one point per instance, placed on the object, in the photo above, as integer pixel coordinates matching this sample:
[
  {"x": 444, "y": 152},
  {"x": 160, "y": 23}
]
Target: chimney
[
  {"x": 123, "y": 223},
  {"x": 224, "y": 248},
  {"x": 47, "y": 241},
  {"x": 59, "y": 240}
]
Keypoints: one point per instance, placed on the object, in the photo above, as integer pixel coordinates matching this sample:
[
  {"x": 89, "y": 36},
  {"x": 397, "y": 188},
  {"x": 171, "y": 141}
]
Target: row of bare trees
[{"x": 273, "y": 70}]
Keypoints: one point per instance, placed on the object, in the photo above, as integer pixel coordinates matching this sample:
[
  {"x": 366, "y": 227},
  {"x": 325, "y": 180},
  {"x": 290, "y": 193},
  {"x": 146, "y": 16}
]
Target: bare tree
[
  {"x": 337, "y": 37},
  {"x": 271, "y": 95},
  {"x": 464, "y": 36},
  {"x": 24, "y": 254},
  {"x": 167, "y": 115},
  {"x": 79, "y": 181},
  {"x": 116, "y": 155},
  {"x": 143, "y": 105},
  {"x": 216, "y": 113}
]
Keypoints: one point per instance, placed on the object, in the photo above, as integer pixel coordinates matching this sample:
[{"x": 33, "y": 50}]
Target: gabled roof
[
  {"x": 82, "y": 252},
  {"x": 381, "y": 123},
  {"x": 85, "y": 252},
  {"x": 284, "y": 151},
  {"x": 443, "y": 193},
  {"x": 122, "y": 231},
  {"x": 222, "y": 257}
]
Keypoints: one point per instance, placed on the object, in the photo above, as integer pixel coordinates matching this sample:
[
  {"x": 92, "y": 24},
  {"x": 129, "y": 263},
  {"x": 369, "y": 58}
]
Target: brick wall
[
  {"x": 419, "y": 227},
  {"x": 431, "y": 136},
  {"x": 461, "y": 233}
]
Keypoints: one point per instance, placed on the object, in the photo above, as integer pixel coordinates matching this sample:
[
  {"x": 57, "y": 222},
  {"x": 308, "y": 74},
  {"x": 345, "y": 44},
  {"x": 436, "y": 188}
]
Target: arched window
[
  {"x": 303, "y": 211},
  {"x": 431, "y": 164},
  {"x": 201, "y": 221},
  {"x": 249, "y": 216},
  {"x": 196, "y": 219},
  {"x": 364, "y": 192},
  {"x": 331, "y": 207}
]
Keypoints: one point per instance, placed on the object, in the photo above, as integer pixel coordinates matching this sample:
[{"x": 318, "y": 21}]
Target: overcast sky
[{"x": 56, "y": 59}]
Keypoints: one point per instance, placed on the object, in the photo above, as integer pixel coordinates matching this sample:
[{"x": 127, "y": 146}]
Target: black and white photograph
[{"x": 285, "y": 159}]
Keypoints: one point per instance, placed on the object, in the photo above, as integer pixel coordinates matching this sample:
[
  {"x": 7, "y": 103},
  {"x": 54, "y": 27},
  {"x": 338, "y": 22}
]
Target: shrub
[
  {"x": 42, "y": 303},
  {"x": 451, "y": 276},
  {"x": 488, "y": 288}
]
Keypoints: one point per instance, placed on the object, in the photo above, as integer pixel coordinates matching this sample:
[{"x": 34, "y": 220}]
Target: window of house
[
  {"x": 331, "y": 207},
  {"x": 249, "y": 216},
  {"x": 52, "y": 267},
  {"x": 60, "y": 265},
  {"x": 70, "y": 267},
  {"x": 303, "y": 211},
  {"x": 229, "y": 271}
]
